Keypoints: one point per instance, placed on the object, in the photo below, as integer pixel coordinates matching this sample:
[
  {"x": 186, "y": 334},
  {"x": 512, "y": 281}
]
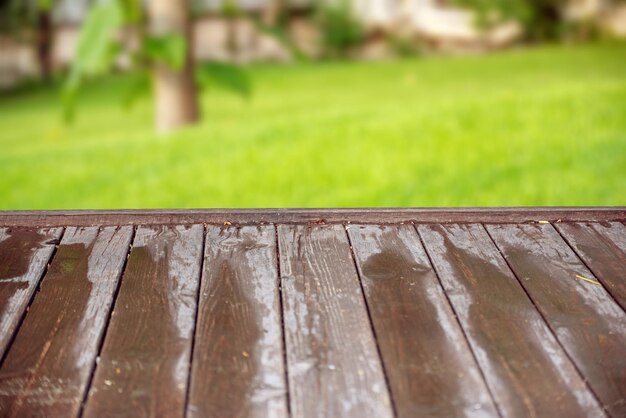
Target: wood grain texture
[
  {"x": 333, "y": 364},
  {"x": 144, "y": 363},
  {"x": 429, "y": 366},
  {"x": 237, "y": 367},
  {"x": 525, "y": 368},
  {"x": 586, "y": 320},
  {"x": 602, "y": 246},
  {"x": 355, "y": 215},
  {"x": 24, "y": 254},
  {"x": 50, "y": 361}
]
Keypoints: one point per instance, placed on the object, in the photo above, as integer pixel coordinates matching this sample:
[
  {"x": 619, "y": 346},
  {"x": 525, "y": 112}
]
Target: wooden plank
[
  {"x": 237, "y": 367},
  {"x": 413, "y": 320},
  {"x": 50, "y": 362},
  {"x": 333, "y": 364},
  {"x": 586, "y": 320},
  {"x": 24, "y": 254},
  {"x": 283, "y": 216},
  {"x": 526, "y": 369},
  {"x": 144, "y": 363},
  {"x": 602, "y": 246}
]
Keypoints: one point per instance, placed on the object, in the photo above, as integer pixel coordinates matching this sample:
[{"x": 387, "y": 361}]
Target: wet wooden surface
[
  {"x": 584, "y": 317},
  {"x": 49, "y": 364},
  {"x": 333, "y": 365},
  {"x": 434, "y": 376},
  {"x": 602, "y": 247},
  {"x": 24, "y": 254},
  {"x": 528, "y": 372},
  {"x": 238, "y": 356},
  {"x": 148, "y": 343},
  {"x": 191, "y": 315}
]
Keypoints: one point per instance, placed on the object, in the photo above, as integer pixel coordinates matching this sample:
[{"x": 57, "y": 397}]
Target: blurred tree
[
  {"x": 19, "y": 18},
  {"x": 44, "y": 38},
  {"x": 163, "y": 55}
]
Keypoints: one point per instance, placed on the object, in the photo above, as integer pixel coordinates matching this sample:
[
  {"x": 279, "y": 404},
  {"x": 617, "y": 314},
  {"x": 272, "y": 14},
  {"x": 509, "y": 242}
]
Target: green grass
[{"x": 542, "y": 126}]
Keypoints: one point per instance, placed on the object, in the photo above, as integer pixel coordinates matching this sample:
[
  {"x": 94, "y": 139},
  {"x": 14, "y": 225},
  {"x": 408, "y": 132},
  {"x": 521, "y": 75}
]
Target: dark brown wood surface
[
  {"x": 24, "y": 254},
  {"x": 524, "y": 366},
  {"x": 332, "y": 360},
  {"x": 585, "y": 318},
  {"x": 301, "y": 216},
  {"x": 429, "y": 366},
  {"x": 144, "y": 363},
  {"x": 49, "y": 363},
  {"x": 602, "y": 246},
  {"x": 237, "y": 368},
  {"x": 313, "y": 313}
]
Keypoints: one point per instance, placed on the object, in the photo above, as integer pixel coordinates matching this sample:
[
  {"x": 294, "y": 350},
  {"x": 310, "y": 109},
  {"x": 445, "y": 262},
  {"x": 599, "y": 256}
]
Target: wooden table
[{"x": 314, "y": 313}]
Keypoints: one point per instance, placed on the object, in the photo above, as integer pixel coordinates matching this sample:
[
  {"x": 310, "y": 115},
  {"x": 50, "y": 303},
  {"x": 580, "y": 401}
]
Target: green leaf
[
  {"x": 68, "y": 100},
  {"x": 93, "y": 53},
  {"x": 168, "y": 49},
  {"x": 228, "y": 76}
]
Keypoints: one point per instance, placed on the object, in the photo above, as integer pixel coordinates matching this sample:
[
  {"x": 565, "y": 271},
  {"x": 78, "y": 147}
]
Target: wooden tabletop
[{"x": 510, "y": 312}]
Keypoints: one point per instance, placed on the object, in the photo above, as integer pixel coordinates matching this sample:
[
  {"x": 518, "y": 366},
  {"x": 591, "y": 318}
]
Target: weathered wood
[
  {"x": 49, "y": 363},
  {"x": 429, "y": 366},
  {"x": 24, "y": 254},
  {"x": 362, "y": 216},
  {"x": 237, "y": 367},
  {"x": 333, "y": 364},
  {"x": 586, "y": 320},
  {"x": 144, "y": 363},
  {"x": 524, "y": 366},
  {"x": 542, "y": 342},
  {"x": 602, "y": 246}
]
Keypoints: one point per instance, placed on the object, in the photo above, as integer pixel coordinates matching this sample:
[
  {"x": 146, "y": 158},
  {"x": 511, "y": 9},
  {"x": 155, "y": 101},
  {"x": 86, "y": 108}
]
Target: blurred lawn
[{"x": 530, "y": 127}]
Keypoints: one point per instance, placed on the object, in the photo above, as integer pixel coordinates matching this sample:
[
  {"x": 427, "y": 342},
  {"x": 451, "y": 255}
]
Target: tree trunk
[
  {"x": 44, "y": 44},
  {"x": 176, "y": 95}
]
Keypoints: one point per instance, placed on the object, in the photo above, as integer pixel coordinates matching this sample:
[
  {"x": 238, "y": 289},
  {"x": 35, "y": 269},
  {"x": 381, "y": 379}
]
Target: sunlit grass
[{"x": 530, "y": 127}]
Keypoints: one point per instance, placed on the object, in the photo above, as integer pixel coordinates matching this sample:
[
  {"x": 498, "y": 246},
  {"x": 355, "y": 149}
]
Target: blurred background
[{"x": 303, "y": 103}]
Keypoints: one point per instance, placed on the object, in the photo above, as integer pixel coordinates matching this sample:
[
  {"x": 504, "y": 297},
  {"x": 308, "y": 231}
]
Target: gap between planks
[
  {"x": 282, "y": 322},
  {"x": 195, "y": 321}
]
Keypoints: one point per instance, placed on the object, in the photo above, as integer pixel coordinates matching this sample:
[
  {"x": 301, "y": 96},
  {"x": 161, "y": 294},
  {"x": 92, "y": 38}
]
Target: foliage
[
  {"x": 540, "y": 18},
  {"x": 99, "y": 47},
  {"x": 341, "y": 31},
  {"x": 95, "y": 51},
  {"x": 533, "y": 126},
  {"x": 224, "y": 75},
  {"x": 231, "y": 9},
  {"x": 14, "y": 14},
  {"x": 168, "y": 49},
  {"x": 17, "y": 14}
]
